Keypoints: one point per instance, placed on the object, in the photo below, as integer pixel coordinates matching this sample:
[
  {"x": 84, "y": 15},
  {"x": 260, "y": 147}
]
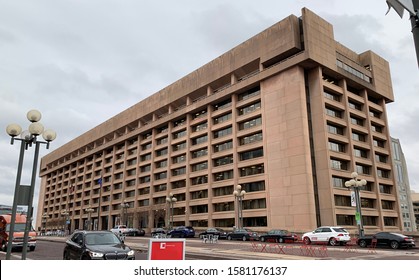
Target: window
[
  {"x": 225, "y": 175},
  {"x": 254, "y": 204},
  {"x": 355, "y": 105},
  {"x": 362, "y": 153},
  {"x": 250, "y": 123},
  {"x": 358, "y": 137},
  {"x": 199, "y": 127},
  {"x": 385, "y": 188},
  {"x": 363, "y": 169},
  {"x": 199, "y": 153},
  {"x": 337, "y": 147},
  {"x": 178, "y": 147},
  {"x": 388, "y": 205},
  {"x": 228, "y": 190},
  {"x": 199, "y": 180},
  {"x": 222, "y": 105},
  {"x": 390, "y": 221},
  {"x": 146, "y": 146},
  {"x": 331, "y": 96},
  {"x": 251, "y": 138},
  {"x": 357, "y": 121},
  {"x": 338, "y": 164},
  {"x": 223, "y": 206},
  {"x": 200, "y": 166},
  {"x": 179, "y": 134},
  {"x": 179, "y": 184},
  {"x": 179, "y": 171},
  {"x": 383, "y": 173},
  {"x": 341, "y": 200},
  {"x": 146, "y": 157},
  {"x": 249, "y": 94},
  {"x": 379, "y": 143},
  {"x": 179, "y": 122},
  {"x": 144, "y": 191},
  {"x": 254, "y": 186},
  {"x": 199, "y": 194},
  {"x": 222, "y": 118},
  {"x": 179, "y": 159},
  {"x": 160, "y": 188},
  {"x": 199, "y": 209},
  {"x": 381, "y": 158},
  {"x": 376, "y": 128},
  {"x": 161, "y": 152},
  {"x": 334, "y": 129},
  {"x": 333, "y": 113},
  {"x": 161, "y": 175},
  {"x": 250, "y": 108},
  {"x": 161, "y": 164},
  {"x": 367, "y": 203},
  {"x": 223, "y": 132},
  {"x": 145, "y": 168},
  {"x": 200, "y": 114},
  {"x": 162, "y": 141},
  {"x": 223, "y": 146},
  {"x": 223, "y": 161},
  {"x": 375, "y": 114},
  {"x": 251, "y": 154},
  {"x": 345, "y": 220},
  {"x": 252, "y": 170}
]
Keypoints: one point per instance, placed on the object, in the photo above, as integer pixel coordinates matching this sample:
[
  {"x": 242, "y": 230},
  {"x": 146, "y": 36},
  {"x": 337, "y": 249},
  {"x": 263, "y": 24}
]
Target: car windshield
[{"x": 101, "y": 239}]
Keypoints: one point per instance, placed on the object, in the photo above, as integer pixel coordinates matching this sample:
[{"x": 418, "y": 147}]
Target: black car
[
  {"x": 182, "y": 232},
  {"x": 387, "y": 239},
  {"x": 242, "y": 234},
  {"x": 135, "y": 232},
  {"x": 279, "y": 236},
  {"x": 222, "y": 234},
  {"x": 96, "y": 245}
]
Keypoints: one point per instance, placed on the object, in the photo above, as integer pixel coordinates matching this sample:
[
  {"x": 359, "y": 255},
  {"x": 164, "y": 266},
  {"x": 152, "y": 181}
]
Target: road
[{"x": 52, "y": 249}]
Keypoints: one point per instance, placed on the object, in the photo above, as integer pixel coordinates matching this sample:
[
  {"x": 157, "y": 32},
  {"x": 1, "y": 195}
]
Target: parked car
[
  {"x": 331, "y": 235},
  {"x": 135, "y": 232},
  {"x": 222, "y": 234},
  {"x": 96, "y": 245},
  {"x": 279, "y": 236},
  {"x": 158, "y": 232},
  {"x": 121, "y": 229},
  {"x": 388, "y": 239},
  {"x": 242, "y": 234},
  {"x": 182, "y": 232}
]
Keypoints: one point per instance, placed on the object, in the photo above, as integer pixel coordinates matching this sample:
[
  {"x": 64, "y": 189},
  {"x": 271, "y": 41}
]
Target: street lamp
[
  {"x": 239, "y": 195},
  {"x": 89, "y": 211},
  {"x": 45, "y": 216},
  {"x": 356, "y": 184},
  {"x": 124, "y": 210},
  {"x": 24, "y": 194},
  {"x": 171, "y": 200}
]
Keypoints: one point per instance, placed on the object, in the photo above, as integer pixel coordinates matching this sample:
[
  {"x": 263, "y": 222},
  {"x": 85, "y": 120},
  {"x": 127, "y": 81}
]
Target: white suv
[{"x": 331, "y": 235}]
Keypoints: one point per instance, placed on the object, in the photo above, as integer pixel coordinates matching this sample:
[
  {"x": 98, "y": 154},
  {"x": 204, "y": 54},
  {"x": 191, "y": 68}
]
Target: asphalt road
[{"x": 196, "y": 250}]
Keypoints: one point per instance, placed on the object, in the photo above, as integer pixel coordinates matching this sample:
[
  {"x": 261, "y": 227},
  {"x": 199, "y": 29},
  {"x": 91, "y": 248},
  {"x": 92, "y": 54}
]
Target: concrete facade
[{"x": 288, "y": 114}]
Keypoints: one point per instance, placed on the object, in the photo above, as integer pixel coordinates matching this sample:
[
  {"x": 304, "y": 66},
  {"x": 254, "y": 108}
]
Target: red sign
[{"x": 166, "y": 249}]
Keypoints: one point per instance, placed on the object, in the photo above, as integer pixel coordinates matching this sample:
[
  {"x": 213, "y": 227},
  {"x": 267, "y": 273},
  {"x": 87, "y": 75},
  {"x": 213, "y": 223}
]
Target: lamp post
[
  {"x": 65, "y": 214},
  {"x": 89, "y": 211},
  {"x": 239, "y": 195},
  {"x": 124, "y": 212},
  {"x": 171, "y": 200},
  {"x": 24, "y": 194},
  {"x": 355, "y": 184},
  {"x": 45, "y": 216}
]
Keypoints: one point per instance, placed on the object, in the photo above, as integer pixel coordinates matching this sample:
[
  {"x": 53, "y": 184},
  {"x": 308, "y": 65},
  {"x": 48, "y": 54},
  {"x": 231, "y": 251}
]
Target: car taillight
[{"x": 340, "y": 234}]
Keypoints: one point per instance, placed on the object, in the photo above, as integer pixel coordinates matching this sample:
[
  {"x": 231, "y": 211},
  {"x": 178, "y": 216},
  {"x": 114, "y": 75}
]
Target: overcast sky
[{"x": 80, "y": 62}]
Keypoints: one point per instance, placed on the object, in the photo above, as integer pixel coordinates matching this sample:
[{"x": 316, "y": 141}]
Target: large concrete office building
[{"x": 288, "y": 114}]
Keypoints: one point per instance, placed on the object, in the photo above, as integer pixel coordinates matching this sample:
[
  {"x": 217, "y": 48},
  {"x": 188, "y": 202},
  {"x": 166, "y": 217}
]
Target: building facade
[
  {"x": 403, "y": 186},
  {"x": 288, "y": 114}
]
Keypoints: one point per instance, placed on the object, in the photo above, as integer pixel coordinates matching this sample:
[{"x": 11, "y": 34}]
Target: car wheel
[
  {"x": 65, "y": 256},
  {"x": 307, "y": 240},
  {"x": 244, "y": 238},
  {"x": 85, "y": 257},
  {"x": 32, "y": 248},
  {"x": 333, "y": 241},
  {"x": 362, "y": 243},
  {"x": 262, "y": 239},
  {"x": 280, "y": 240},
  {"x": 229, "y": 237},
  {"x": 394, "y": 244}
]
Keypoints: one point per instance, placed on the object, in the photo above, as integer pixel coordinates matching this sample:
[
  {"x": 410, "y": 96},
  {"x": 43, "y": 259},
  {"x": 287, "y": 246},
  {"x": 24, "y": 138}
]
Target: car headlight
[
  {"x": 96, "y": 255},
  {"x": 131, "y": 253}
]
